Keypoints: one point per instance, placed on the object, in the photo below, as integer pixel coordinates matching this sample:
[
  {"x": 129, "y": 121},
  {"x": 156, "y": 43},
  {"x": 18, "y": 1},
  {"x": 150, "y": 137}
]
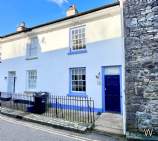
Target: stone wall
[{"x": 141, "y": 62}]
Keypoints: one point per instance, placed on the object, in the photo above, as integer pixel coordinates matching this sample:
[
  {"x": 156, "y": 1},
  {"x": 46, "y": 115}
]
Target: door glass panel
[{"x": 112, "y": 71}]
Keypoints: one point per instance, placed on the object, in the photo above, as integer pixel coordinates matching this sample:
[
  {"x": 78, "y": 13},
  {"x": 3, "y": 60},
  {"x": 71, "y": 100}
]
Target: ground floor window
[
  {"x": 31, "y": 79},
  {"x": 78, "y": 79}
]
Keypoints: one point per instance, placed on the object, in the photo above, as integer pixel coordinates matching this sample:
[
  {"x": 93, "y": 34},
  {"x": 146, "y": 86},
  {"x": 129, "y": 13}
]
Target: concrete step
[
  {"x": 109, "y": 130},
  {"x": 111, "y": 115},
  {"x": 110, "y": 126}
]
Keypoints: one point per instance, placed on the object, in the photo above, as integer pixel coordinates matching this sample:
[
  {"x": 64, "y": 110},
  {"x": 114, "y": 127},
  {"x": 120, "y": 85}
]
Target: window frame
[
  {"x": 80, "y": 50},
  {"x": 71, "y": 91},
  {"x": 30, "y": 47},
  {"x": 27, "y": 80}
]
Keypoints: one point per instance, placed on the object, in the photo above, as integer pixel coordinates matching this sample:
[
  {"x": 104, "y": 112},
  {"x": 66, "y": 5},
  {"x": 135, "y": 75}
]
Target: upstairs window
[
  {"x": 31, "y": 79},
  {"x": 78, "y": 79},
  {"x": 77, "y": 38},
  {"x": 32, "y": 48}
]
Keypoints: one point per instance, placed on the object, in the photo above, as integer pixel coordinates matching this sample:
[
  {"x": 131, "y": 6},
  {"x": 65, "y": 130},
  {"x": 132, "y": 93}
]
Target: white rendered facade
[{"x": 53, "y": 61}]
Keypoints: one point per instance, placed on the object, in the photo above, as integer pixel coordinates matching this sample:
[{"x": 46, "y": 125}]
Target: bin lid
[{"x": 39, "y": 94}]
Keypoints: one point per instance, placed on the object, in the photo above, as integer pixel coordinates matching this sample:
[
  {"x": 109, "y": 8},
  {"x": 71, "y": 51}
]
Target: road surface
[{"x": 17, "y": 130}]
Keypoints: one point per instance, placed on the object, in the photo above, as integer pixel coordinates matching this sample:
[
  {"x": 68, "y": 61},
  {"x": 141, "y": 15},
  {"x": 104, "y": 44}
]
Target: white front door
[{"x": 11, "y": 81}]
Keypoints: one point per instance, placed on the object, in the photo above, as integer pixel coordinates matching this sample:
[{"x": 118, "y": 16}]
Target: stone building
[{"x": 141, "y": 65}]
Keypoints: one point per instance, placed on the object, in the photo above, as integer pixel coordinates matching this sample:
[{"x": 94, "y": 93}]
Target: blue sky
[{"x": 35, "y": 12}]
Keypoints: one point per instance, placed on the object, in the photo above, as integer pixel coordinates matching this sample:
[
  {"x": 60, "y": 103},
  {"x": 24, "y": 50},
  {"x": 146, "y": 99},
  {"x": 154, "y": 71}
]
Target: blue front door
[{"x": 112, "y": 93}]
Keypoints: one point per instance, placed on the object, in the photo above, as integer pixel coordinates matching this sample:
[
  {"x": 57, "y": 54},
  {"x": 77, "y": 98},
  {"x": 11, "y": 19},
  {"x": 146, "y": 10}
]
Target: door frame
[{"x": 103, "y": 88}]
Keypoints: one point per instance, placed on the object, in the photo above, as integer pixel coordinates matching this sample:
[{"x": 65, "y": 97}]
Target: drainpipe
[{"x": 123, "y": 67}]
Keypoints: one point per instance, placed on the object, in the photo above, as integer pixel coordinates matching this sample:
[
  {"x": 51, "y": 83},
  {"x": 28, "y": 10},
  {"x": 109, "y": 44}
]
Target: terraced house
[{"x": 80, "y": 55}]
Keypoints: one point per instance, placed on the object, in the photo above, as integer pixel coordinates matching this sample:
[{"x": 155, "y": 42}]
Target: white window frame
[
  {"x": 28, "y": 79},
  {"x": 32, "y": 48},
  {"x": 79, "y": 79},
  {"x": 80, "y": 39}
]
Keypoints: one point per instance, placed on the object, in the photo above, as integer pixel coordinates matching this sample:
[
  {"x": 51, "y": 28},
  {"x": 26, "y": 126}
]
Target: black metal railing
[
  {"x": 77, "y": 109},
  {"x": 20, "y": 102}
]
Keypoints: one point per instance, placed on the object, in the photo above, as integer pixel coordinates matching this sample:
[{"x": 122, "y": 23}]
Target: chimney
[
  {"x": 21, "y": 27},
  {"x": 72, "y": 11}
]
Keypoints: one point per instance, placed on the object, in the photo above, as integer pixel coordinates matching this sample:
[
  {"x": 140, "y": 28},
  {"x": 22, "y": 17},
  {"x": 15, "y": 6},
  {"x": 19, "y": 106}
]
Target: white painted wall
[{"x": 104, "y": 48}]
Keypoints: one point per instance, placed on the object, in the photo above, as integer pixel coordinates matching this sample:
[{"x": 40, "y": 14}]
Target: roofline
[{"x": 63, "y": 19}]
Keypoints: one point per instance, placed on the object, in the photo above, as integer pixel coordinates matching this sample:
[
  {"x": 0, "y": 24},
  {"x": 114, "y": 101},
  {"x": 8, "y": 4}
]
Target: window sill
[
  {"x": 77, "y": 52},
  {"x": 77, "y": 94},
  {"x": 31, "y": 58},
  {"x": 29, "y": 93}
]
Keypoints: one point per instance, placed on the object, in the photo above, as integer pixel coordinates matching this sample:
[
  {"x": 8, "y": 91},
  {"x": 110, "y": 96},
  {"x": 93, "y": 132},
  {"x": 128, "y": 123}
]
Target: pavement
[
  {"x": 110, "y": 123},
  {"x": 17, "y": 130},
  {"x": 44, "y": 120}
]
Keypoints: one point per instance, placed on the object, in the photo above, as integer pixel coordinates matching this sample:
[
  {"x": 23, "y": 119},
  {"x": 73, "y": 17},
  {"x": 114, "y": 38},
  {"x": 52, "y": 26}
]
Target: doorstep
[
  {"x": 109, "y": 123},
  {"x": 53, "y": 122}
]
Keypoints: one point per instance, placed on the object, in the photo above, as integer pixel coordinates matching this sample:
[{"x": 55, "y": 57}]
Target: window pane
[
  {"x": 80, "y": 88},
  {"x": 80, "y": 82},
  {"x": 84, "y": 88},
  {"x": 80, "y": 77},
  {"x": 83, "y": 77},
  {"x": 73, "y": 77},
  {"x": 73, "y": 88}
]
